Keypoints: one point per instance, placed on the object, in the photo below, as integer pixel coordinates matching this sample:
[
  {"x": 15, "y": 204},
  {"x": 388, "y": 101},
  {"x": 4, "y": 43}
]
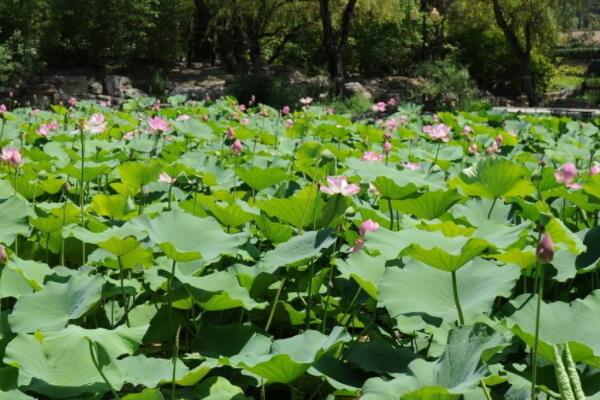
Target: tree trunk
[
  {"x": 200, "y": 48},
  {"x": 528, "y": 83},
  {"x": 335, "y": 49}
]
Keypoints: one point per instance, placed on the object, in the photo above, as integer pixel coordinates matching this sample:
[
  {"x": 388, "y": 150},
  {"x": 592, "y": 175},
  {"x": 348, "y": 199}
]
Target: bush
[
  {"x": 447, "y": 84},
  {"x": 19, "y": 57},
  {"x": 276, "y": 92}
]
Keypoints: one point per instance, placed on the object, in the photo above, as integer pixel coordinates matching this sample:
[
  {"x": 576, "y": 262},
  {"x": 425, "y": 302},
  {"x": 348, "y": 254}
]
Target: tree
[
  {"x": 525, "y": 24},
  {"x": 335, "y": 42}
]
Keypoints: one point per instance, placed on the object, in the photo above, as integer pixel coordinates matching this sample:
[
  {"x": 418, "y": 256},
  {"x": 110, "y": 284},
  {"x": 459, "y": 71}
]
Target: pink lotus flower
[
  {"x": 391, "y": 124},
  {"x": 403, "y": 119},
  {"x": 545, "y": 249},
  {"x": 387, "y": 147},
  {"x": 467, "y": 130},
  {"x": 379, "y": 107},
  {"x": 438, "y": 132},
  {"x": 166, "y": 178},
  {"x": 72, "y": 102},
  {"x": 371, "y": 156},
  {"x": 285, "y": 110},
  {"x": 105, "y": 103},
  {"x": 183, "y": 117},
  {"x": 392, "y": 102},
  {"x": 129, "y": 136},
  {"x": 236, "y": 147},
  {"x": 411, "y": 166},
  {"x": 43, "y": 130},
  {"x": 3, "y": 255},
  {"x": 157, "y": 125},
  {"x": 230, "y": 133},
  {"x": 567, "y": 174},
  {"x": 595, "y": 169},
  {"x": 95, "y": 124},
  {"x": 339, "y": 185},
  {"x": 11, "y": 156},
  {"x": 3, "y": 109},
  {"x": 245, "y": 121},
  {"x": 53, "y": 125},
  {"x": 473, "y": 149},
  {"x": 242, "y": 107},
  {"x": 492, "y": 148},
  {"x": 288, "y": 123},
  {"x": 306, "y": 100},
  {"x": 367, "y": 226}
]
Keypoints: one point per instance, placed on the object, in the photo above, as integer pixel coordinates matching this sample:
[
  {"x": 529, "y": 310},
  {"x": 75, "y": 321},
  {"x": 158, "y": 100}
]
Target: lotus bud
[
  {"x": 545, "y": 250},
  {"x": 350, "y": 212},
  {"x": 327, "y": 155},
  {"x": 3, "y": 255},
  {"x": 42, "y": 174},
  {"x": 435, "y": 16},
  {"x": 414, "y": 14}
]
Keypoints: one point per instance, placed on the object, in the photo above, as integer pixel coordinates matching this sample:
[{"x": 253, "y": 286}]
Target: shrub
[{"x": 447, "y": 84}]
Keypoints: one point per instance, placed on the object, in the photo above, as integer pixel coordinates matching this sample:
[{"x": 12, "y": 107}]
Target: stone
[
  {"x": 357, "y": 89},
  {"x": 95, "y": 87},
  {"x": 116, "y": 85}
]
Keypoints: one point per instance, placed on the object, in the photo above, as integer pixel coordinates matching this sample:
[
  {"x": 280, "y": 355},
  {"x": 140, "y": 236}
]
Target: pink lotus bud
[
  {"x": 230, "y": 133},
  {"x": 379, "y": 107},
  {"x": 367, "y": 226},
  {"x": 392, "y": 124},
  {"x": 392, "y": 102},
  {"x": 3, "y": 109},
  {"x": 387, "y": 147},
  {"x": 242, "y": 107},
  {"x": 288, "y": 123},
  {"x": 72, "y": 101},
  {"x": 473, "y": 149},
  {"x": 3, "y": 255},
  {"x": 285, "y": 110},
  {"x": 237, "y": 147},
  {"x": 403, "y": 119},
  {"x": 595, "y": 169},
  {"x": 545, "y": 250}
]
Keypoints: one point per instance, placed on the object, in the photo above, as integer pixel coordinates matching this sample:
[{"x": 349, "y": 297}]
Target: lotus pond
[{"x": 205, "y": 250}]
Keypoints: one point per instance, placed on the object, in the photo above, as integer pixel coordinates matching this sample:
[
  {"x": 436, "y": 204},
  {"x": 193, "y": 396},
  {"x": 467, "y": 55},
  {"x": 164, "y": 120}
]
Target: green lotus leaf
[
  {"x": 417, "y": 288},
  {"x": 56, "y": 304},
  {"x": 184, "y": 233},
  {"x": 259, "y": 178},
  {"x": 14, "y": 213},
  {"x": 496, "y": 177},
  {"x": 429, "y": 205},
  {"x": 573, "y": 323},
  {"x": 297, "y": 250}
]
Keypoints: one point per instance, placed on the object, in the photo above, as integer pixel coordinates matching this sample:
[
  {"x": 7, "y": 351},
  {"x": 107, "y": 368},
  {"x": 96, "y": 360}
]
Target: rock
[
  {"x": 133, "y": 93},
  {"x": 116, "y": 85},
  {"x": 68, "y": 85},
  {"x": 211, "y": 86},
  {"x": 357, "y": 89},
  {"x": 95, "y": 87}
]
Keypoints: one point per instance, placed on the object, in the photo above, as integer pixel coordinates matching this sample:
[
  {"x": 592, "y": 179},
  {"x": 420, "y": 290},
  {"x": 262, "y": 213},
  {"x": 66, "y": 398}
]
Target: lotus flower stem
[
  {"x": 389, "y": 203},
  {"x": 309, "y": 294},
  {"x": 2, "y": 129},
  {"x": 461, "y": 318},
  {"x": 272, "y": 313},
  {"x": 486, "y": 391},
  {"x": 437, "y": 153},
  {"x": 123, "y": 294},
  {"x": 536, "y": 338},
  {"x": 175, "y": 356},
  {"x": 81, "y": 190},
  {"x": 492, "y": 208},
  {"x": 99, "y": 369}
]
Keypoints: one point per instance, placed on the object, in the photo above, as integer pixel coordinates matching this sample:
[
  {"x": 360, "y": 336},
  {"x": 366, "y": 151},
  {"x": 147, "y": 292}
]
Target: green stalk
[
  {"x": 389, "y": 202},
  {"x": 492, "y": 208},
  {"x": 437, "y": 153},
  {"x": 99, "y": 369},
  {"x": 175, "y": 356},
  {"x": 169, "y": 196},
  {"x": 461, "y": 318},
  {"x": 235, "y": 177},
  {"x": 123, "y": 295},
  {"x": 309, "y": 300},
  {"x": 82, "y": 190},
  {"x": 534, "y": 350},
  {"x": 272, "y": 313}
]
